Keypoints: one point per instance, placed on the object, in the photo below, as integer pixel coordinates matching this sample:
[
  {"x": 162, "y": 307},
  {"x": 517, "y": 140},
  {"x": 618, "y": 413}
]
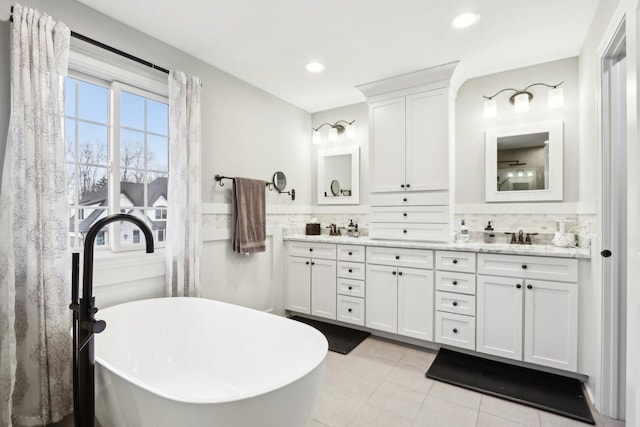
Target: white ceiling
[{"x": 268, "y": 43}]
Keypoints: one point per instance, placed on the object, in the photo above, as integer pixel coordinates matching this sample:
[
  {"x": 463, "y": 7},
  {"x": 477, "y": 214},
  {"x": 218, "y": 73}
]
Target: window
[
  {"x": 117, "y": 156},
  {"x": 161, "y": 235}
]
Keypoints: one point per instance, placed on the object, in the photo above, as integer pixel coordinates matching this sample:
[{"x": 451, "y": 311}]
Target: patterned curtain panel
[
  {"x": 183, "y": 220},
  {"x": 35, "y": 345}
]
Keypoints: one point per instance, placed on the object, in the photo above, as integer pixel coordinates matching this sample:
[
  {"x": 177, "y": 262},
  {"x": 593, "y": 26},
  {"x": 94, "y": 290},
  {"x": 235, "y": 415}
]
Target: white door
[
  {"x": 427, "y": 166},
  {"x": 387, "y": 145},
  {"x": 323, "y": 288},
  {"x": 499, "y": 316},
  {"x": 551, "y": 324},
  {"x": 299, "y": 284},
  {"x": 415, "y": 303},
  {"x": 381, "y": 298}
]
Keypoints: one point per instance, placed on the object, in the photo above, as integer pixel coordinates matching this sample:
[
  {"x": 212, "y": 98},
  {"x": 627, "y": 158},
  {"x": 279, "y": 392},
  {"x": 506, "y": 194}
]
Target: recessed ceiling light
[
  {"x": 314, "y": 67},
  {"x": 465, "y": 20}
]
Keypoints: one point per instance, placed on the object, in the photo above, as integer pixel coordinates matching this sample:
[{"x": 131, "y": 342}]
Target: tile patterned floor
[{"x": 382, "y": 384}]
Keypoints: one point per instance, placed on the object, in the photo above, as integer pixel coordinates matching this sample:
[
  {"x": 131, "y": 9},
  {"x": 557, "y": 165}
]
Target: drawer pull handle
[
  {"x": 307, "y": 262},
  {"x": 455, "y": 303},
  {"x": 529, "y": 287},
  {"x": 401, "y": 185},
  {"x": 455, "y": 261},
  {"x": 455, "y": 330},
  {"x": 350, "y": 310},
  {"x": 404, "y": 199},
  {"x": 518, "y": 286},
  {"x": 397, "y": 256},
  {"x": 350, "y": 253},
  {"x": 351, "y": 270},
  {"x": 404, "y": 231},
  {"x": 524, "y": 266},
  {"x": 455, "y": 282},
  {"x": 350, "y": 287},
  {"x": 393, "y": 272},
  {"x": 404, "y": 214},
  {"x": 399, "y": 273}
]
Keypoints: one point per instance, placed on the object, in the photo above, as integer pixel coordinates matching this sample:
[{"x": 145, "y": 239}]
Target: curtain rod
[{"x": 110, "y": 49}]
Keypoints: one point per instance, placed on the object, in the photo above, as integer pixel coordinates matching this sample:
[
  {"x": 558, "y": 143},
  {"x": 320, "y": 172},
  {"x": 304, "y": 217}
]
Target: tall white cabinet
[{"x": 411, "y": 138}]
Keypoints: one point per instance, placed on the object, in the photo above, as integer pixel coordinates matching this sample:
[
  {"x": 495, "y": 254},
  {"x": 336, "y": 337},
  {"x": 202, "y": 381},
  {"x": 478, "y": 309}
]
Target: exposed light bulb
[
  {"x": 490, "y": 108},
  {"x": 555, "y": 98}
]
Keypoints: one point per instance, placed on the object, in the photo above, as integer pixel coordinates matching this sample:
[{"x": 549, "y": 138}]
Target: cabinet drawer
[
  {"x": 412, "y": 232},
  {"x": 456, "y": 330},
  {"x": 351, "y": 270},
  {"x": 354, "y": 288},
  {"x": 313, "y": 250},
  {"x": 399, "y": 257},
  {"x": 450, "y": 281},
  {"x": 529, "y": 267},
  {"x": 456, "y": 303},
  {"x": 353, "y": 253},
  {"x": 456, "y": 261},
  {"x": 351, "y": 310},
  {"x": 410, "y": 214},
  {"x": 409, "y": 198}
]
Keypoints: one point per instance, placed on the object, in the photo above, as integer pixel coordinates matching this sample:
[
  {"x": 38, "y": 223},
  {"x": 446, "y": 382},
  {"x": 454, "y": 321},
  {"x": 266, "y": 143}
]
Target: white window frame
[{"x": 97, "y": 66}]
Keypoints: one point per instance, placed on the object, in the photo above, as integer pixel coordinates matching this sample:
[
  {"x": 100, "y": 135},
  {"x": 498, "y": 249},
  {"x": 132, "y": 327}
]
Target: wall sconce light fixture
[
  {"x": 336, "y": 129},
  {"x": 520, "y": 99}
]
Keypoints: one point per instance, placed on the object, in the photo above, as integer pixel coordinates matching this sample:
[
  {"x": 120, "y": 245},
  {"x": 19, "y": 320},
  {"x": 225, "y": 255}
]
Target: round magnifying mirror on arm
[{"x": 279, "y": 181}]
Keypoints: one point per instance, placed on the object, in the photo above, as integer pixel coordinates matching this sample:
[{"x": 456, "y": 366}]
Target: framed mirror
[
  {"x": 524, "y": 162},
  {"x": 339, "y": 176}
]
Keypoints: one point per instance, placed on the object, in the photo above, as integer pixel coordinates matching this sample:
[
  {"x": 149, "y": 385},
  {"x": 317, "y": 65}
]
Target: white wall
[
  {"x": 245, "y": 132},
  {"x": 5, "y": 94},
  {"x": 471, "y": 125}
]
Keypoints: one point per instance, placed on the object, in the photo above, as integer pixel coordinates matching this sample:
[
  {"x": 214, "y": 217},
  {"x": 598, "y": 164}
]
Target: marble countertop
[{"x": 481, "y": 247}]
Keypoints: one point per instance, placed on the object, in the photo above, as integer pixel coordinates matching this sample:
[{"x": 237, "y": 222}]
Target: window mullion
[{"x": 114, "y": 163}]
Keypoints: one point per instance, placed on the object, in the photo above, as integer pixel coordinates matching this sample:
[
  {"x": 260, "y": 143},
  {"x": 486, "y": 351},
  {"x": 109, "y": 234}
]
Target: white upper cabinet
[{"x": 387, "y": 144}]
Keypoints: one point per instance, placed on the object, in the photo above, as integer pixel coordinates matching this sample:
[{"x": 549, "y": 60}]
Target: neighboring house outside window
[{"x": 116, "y": 134}]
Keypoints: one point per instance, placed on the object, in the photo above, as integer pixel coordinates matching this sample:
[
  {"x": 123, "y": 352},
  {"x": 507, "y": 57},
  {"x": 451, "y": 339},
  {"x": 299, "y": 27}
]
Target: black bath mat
[
  {"x": 341, "y": 340},
  {"x": 542, "y": 390}
]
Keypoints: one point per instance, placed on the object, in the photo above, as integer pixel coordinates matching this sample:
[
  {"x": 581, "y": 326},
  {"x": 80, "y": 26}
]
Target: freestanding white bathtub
[{"x": 196, "y": 362}]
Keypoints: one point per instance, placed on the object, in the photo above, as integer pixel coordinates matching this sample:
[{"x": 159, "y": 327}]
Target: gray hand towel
[{"x": 249, "y": 215}]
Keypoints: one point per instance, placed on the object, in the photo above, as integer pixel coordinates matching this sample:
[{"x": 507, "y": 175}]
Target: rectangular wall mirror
[
  {"x": 524, "y": 162},
  {"x": 339, "y": 176}
]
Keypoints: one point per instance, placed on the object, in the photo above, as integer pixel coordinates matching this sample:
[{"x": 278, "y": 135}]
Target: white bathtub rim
[{"x": 236, "y": 398}]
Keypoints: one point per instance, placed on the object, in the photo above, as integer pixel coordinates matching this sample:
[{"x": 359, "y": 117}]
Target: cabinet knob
[
  {"x": 529, "y": 287},
  {"x": 524, "y": 266},
  {"x": 310, "y": 249},
  {"x": 401, "y": 185},
  {"x": 307, "y": 262},
  {"x": 408, "y": 185},
  {"x": 349, "y": 310},
  {"x": 351, "y": 270},
  {"x": 455, "y": 330},
  {"x": 518, "y": 286},
  {"x": 455, "y": 303},
  {"x": 393, "y": 272},
  {"x": 455, "y": 261},
  {"x": 399, "y": 273},
  {"x": 404, "y": 231},
  {"x": 350, "y": 253},
  {"x": 350, "y": 287},
  {"x": 404, "y": 199},
  {"x": 313, "y": 263},
  {"x": 455, "y": 282},
  {"x": 404, "y": 214},
  {"x": 397, "y": 256}
]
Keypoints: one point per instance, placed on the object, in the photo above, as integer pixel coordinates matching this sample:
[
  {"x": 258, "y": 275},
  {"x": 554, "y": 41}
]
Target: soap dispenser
[
  {"x": 464, "y": 232},
  {"x": 489, "y": 234},
  {"x": 350, "y": 228}
]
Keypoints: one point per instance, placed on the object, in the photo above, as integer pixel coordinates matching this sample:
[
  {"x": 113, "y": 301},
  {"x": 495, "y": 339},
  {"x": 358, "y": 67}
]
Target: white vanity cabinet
[
  {"x": 455, "y": 299},
  {"x": 399, "y": 297},
  {"x": 351, "y": 284},
  {"x": 527, "y": 309},
  {"x": 311, "y": 279}
]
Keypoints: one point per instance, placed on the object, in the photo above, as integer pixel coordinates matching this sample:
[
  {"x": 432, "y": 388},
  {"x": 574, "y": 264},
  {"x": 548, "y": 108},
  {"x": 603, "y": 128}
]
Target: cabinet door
[
  {"x": 551, "y": 324},
  {"x": 415, "y": 303},
  {"x": 386, "y": 145},
  {"x": 299, "y": 284},
  {"x": 381, "y": 308},
  {"x": 427, "y": 144},
  {"x": 499, "y": 316},
  {"x": 323, "y": 288}
]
